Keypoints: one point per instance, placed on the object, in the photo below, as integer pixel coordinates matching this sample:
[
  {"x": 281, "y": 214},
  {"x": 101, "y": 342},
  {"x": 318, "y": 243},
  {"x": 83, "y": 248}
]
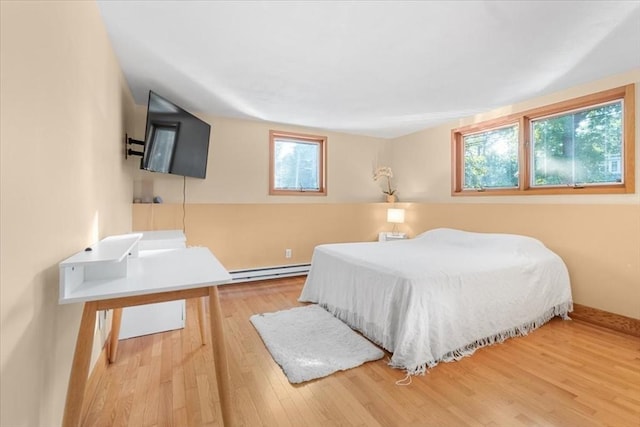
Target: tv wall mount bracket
[{"x": 128, "y": 151}]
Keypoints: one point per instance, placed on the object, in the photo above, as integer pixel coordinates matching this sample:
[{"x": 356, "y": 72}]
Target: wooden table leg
[
  {"x": 80, "y": 367},
  {"x": 200, "y": 307},
  {"x": 220, "y": 356},
  {"x": 115, "y": 334}
]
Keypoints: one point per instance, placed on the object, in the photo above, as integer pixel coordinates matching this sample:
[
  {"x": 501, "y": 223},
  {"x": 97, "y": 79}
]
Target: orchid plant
[{"x": 384, "y": 172}]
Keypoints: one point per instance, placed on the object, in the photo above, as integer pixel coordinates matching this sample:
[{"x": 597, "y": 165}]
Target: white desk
[
  {"x": 115, "y": 274},
  {"x": 155, "y": 271}
]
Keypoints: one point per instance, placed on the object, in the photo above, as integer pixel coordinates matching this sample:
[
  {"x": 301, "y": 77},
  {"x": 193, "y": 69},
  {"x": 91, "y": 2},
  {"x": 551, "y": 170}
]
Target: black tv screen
[{"x": 176, "y": 141}]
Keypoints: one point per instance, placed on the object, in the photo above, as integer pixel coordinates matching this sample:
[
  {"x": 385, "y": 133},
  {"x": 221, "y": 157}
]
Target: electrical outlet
[
  {"x": 102, "y": 319},
  {"x": 101, "y": 330},
  {"x": 287, "y": 253}
]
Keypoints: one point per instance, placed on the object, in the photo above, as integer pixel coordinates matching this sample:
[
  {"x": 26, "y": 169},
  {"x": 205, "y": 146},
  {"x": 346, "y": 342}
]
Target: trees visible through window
[
  {"x": 584, "y": 144},
  {"x": 578, "y": 148},
  {"x": 297, "y": 164},
  {"x": 491, "y": 159}
]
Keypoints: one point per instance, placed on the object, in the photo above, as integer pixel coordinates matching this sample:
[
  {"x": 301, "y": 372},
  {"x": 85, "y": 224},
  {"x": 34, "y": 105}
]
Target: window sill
[
  {"x": 601, "y": 189},
  {"x": 296, "y": 193}
]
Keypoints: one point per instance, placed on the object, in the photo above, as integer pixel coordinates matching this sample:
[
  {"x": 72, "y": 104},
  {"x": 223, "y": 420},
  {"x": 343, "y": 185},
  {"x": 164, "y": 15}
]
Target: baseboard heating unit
[{"x": 264, "y": 273}]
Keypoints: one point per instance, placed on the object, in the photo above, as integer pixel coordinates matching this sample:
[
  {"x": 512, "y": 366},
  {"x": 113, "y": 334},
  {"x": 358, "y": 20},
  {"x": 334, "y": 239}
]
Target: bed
[{"x": 440, "y": 296}]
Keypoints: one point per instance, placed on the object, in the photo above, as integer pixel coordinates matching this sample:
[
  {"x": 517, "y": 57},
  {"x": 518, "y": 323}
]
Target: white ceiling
[{"x": 374, "y": 68}]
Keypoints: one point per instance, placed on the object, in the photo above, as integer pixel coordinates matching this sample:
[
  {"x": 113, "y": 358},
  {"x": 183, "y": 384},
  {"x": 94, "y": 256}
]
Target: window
[
  {"x": 297, "y": 164},
  {"x": 491, "y": 158},
  {"x": 574, "y": 148},
  {"x": 584, "y": 145}
]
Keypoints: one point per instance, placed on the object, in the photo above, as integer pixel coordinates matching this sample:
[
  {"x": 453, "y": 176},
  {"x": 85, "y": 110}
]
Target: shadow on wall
[{"x": 52, "y": 329}]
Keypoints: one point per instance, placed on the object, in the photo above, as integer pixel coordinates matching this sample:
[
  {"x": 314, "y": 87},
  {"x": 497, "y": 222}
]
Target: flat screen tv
[{"x": 176, "y": 141}]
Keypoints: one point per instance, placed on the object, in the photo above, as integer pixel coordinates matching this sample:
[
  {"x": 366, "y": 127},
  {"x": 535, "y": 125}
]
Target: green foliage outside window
[
  {"x": 583, "y": 147},
  {"x": 491, "y": 159}
]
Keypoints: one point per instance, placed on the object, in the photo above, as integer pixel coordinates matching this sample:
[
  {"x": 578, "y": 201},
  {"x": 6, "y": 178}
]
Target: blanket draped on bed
[{"x": 442, "y": 295}]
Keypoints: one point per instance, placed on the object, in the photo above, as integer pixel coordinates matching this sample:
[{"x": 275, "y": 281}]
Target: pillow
[{"x": 482, "y": 241}]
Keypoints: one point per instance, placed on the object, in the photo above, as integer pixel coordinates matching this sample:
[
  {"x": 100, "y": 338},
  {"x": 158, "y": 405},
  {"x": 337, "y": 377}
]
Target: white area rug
[{"x": 309, "y": 342}]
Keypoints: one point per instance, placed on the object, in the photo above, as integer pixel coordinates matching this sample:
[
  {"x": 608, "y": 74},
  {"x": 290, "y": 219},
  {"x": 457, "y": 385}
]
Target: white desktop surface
[
  {"x": 112, "y": 248},
  {"x": 162, "y": 239},
  {"x": 155, "y": 271}
]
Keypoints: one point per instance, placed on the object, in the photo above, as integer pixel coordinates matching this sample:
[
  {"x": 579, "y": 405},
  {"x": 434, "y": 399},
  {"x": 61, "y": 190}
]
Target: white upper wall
[
  {"x": 238, "y": 166},
  {"x": 422, "y": 161}
]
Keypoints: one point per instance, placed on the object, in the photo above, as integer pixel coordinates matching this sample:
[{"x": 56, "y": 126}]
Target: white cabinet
[
  {"x": 387, "y": 236},
  {"x": 160, "y": 317},
  {"x": 152, "y": 318}
]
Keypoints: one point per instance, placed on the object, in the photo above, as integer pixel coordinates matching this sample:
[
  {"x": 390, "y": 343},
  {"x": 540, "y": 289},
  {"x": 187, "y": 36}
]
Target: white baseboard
[{"x": 264, "y": 273}]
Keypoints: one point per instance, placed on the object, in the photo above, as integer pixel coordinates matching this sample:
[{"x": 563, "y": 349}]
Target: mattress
[{"x": 440, "y": 296}]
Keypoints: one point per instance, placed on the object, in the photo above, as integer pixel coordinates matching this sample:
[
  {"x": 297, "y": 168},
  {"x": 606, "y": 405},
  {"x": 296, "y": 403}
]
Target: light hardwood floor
[{"x": 567, "y": 373}]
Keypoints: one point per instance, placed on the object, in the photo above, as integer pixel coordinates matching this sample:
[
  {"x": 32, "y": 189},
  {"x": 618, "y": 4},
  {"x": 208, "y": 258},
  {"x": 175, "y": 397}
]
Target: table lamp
[{"x": 395, "y": 216}]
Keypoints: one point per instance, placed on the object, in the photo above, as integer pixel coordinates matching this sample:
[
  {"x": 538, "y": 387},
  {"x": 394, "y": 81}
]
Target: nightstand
[{"x": 387, "y": 236}]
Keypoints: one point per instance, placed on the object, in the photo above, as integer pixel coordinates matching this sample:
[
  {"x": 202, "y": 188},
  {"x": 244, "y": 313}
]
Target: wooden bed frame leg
[
  {"x": 80, "y": 367},
  {"x": 115, "y": 334},
  {"x": 220, "y": 356}
]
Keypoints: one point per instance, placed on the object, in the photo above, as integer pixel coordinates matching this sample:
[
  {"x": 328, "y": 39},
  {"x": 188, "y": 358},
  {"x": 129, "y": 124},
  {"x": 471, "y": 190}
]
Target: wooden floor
[{"x": 567, "y": 373}]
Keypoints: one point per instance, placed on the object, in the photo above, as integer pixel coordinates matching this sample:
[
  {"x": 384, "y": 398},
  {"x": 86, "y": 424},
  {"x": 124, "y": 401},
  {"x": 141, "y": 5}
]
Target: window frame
[
  {"x": 525, "y": 151},
  {"x": 496, "y": 126},
  {"x": 321, "y": 141}
]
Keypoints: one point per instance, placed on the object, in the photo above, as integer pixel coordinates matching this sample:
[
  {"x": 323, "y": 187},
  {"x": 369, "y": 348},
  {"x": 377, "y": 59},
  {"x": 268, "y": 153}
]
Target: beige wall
[
  {"x": 597, "y": 235},
  {"x": 248, "y": 235},
  {"x": 603, "y": 263},
  {"x": 238, "y": 166},
  {"x": 64, "y": 184}
]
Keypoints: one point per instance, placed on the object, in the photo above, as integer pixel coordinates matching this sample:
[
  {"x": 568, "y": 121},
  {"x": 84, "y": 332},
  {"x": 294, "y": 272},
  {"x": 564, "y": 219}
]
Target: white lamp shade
[{"x": 395, "y": 216}]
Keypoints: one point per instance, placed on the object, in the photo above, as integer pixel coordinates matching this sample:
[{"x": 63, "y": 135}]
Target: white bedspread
[{"x": 441, "y": 295}]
